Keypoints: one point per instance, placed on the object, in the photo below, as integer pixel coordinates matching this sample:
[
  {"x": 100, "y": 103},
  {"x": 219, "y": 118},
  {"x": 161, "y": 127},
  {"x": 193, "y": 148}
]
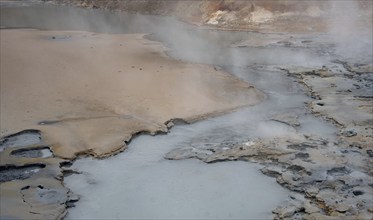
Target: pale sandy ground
[
  {"x": 92, "y": 92},
  {"x": 99, "y": 89}
]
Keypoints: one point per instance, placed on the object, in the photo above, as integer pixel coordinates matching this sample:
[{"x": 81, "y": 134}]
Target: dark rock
[
  {"x": 357, "y": 192},
  {"x": 349, "y": 132}
]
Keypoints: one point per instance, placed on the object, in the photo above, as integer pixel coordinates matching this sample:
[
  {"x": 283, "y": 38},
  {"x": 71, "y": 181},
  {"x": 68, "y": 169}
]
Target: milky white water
[{"x": 140, "y": 184}]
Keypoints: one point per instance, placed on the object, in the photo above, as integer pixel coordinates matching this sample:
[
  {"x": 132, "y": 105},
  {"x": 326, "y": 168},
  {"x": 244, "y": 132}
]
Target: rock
[
  {"x": 185, "y": 153},
  {"x": 312, "y": 191},
  {"x": 297, "y": 196},
  {"x": 310, "y": 208},
  {"x": 349, "y": 132},
  {"x": 273, "y": 171},
  {"x": 290, "y": 180},
  {"x": 286, "y": 212},
  {"x": 342, "y": 207}
]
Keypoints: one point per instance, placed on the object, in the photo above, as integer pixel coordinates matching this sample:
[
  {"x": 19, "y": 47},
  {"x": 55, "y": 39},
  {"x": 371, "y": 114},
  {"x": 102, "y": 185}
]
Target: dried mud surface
[
  {"x": 330, "y": 179},
  {"x": 89, "y": 94}
]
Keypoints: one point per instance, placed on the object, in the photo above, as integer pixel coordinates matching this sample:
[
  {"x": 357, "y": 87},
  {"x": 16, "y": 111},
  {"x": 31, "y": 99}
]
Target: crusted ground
[
  {"x": 89, "y": 94},
  {"x": 330, "y": 178}
]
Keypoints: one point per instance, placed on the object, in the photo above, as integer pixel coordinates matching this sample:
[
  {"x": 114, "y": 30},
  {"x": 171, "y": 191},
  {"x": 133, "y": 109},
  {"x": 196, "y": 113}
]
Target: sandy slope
[{"x": 93, "y": 91}]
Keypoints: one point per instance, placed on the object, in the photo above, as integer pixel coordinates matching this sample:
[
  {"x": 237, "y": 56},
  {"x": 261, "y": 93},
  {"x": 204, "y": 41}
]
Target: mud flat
[
  {"x": 313, "y": 133},
  {"x": 331, "y": 177},
  {"x": 81, "y": 93}
]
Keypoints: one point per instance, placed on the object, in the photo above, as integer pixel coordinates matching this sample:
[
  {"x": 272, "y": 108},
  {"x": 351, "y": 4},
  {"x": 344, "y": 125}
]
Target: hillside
[{"x": 273, "y": 15}]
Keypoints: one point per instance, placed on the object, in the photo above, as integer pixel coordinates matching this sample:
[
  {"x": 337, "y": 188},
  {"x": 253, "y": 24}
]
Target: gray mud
[
  {"x": 9, "y": 173},
  {"x": 23, "y": 138},
  {"x": 36, "y": 152}
]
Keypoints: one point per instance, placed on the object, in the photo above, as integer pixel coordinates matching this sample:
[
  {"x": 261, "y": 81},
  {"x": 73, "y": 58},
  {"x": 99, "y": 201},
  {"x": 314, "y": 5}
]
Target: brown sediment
[
  {"x": 85, "y": 91},
  {"x": 88, "y": 94}
]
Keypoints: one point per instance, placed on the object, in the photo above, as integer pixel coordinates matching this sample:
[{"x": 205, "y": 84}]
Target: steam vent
[{"x": 203, "y": 109}]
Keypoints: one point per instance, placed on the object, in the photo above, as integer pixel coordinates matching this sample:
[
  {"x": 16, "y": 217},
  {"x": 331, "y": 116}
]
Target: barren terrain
[{"x": 295, "y": 76}]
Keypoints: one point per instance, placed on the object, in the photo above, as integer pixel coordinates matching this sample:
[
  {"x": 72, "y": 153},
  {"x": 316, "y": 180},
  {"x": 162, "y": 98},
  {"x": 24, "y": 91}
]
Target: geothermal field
[{"x": 203, "y": 109}]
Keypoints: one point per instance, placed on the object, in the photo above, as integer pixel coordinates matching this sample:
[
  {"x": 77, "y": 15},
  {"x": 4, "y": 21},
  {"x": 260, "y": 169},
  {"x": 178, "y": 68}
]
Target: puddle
[
  {"x": 38, "y": 152},
  {"x": 20, "y": 139},
  {"x": 9, "y": 173}
]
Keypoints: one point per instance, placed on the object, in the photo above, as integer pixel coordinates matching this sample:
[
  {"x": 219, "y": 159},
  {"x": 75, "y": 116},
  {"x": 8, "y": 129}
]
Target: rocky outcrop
[{"x": 296, "y": 15}]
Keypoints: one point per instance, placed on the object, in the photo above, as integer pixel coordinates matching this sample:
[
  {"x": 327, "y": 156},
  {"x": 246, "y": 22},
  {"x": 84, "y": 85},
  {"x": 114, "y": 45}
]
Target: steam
[
  {"x": 189, "y": 43},
  {"x": 350, "y": 26}
]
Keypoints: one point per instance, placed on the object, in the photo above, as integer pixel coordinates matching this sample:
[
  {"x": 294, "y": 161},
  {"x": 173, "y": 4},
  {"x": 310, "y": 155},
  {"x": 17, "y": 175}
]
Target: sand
[{"x": 88, "y": 93}]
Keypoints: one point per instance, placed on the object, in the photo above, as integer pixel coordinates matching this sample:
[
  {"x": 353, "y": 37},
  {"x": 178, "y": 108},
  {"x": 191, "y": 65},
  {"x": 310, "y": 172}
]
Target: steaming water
[{"x": 139, "y": 183}]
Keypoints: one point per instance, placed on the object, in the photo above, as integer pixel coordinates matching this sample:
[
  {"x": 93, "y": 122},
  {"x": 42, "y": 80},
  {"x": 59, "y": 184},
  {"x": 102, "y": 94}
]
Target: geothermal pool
[{"x": 139, "y": 183}]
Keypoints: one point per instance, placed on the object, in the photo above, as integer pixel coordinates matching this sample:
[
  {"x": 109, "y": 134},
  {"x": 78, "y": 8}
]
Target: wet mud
[{"x": 330, "y": 175}]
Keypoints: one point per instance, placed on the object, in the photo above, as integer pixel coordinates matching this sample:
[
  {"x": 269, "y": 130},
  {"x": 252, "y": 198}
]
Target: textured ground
[
  {"x": 331, "y": 178},
  {"x": 269, "y": 15},
  {"x": 88, "y": 94}
]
